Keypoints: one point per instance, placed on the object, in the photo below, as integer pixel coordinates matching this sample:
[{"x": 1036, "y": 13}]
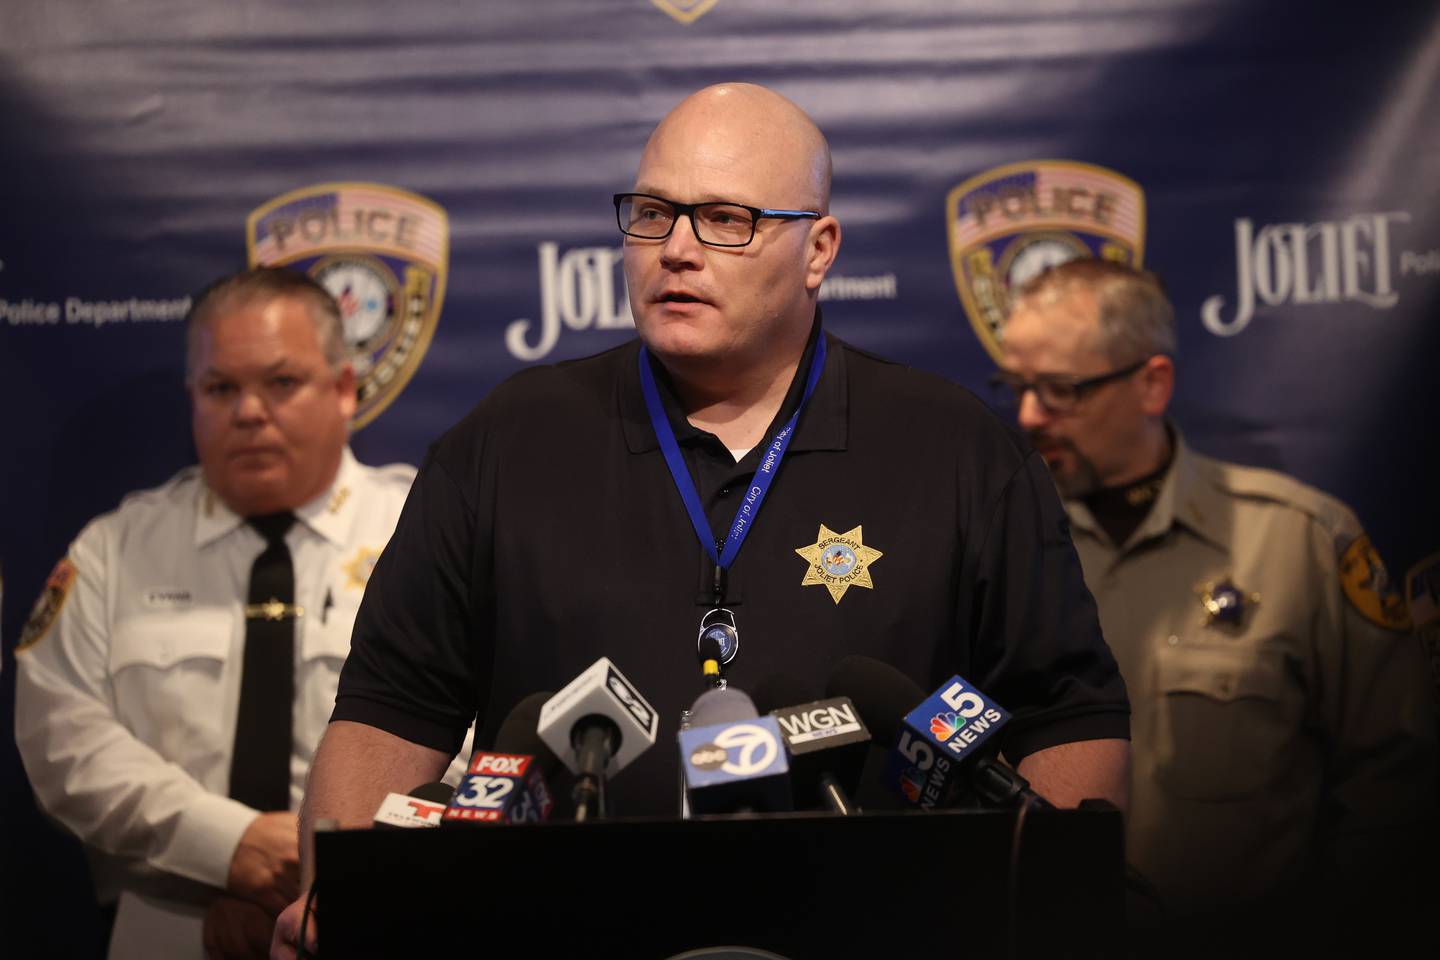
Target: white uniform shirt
[{"x": 129, "y": 680}]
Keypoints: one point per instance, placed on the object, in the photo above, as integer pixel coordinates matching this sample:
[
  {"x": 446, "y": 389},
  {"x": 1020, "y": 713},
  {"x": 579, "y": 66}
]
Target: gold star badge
[
  {"x": 359, "y": 569},
  {"x": 1225, "y": 604},
  {"x": 839, "y": 561}
]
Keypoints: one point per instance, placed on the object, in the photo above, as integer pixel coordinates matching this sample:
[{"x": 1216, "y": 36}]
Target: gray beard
[{"x": 1082, "y": 481}]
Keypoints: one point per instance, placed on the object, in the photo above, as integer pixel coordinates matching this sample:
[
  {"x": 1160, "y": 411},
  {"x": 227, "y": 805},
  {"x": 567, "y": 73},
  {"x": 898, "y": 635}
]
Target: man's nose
[
  {"x": 682, "y": 248},
  {"x": 250, "y": 408},
  {"x": 1032, "y": 413}
]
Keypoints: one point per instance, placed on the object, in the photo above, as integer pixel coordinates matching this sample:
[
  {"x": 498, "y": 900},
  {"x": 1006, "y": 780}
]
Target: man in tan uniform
[{"x": 1283, "y": 732}]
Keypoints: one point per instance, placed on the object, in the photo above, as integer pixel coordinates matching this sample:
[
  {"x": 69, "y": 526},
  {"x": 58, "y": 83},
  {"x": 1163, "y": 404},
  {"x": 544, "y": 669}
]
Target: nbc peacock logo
[
  {"x": 946, "y": 725},
  {"x": 912, "y": 782}
]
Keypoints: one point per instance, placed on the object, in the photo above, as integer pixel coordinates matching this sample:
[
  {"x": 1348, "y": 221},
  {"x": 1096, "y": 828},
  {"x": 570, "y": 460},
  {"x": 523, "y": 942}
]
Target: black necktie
[{"x": 260, "y": 765}]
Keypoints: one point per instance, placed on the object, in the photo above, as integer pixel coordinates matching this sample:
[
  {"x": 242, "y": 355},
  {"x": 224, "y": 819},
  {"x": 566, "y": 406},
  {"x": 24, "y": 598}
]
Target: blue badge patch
[
  {"x": 719, "y": 625},
  {"x": 839, "y": 560}
]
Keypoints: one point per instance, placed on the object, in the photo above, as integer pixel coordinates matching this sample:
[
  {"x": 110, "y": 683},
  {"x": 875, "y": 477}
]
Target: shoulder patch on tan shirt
[{"x": 1367, "y": 586}]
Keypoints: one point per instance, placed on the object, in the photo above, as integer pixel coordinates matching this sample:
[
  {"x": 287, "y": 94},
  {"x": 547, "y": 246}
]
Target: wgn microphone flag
[{"x": 826, "y": 740}]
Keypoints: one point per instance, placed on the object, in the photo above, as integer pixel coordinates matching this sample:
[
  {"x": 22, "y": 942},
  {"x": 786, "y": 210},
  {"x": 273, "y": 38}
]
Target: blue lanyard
[{"x": 764, "y": 476}]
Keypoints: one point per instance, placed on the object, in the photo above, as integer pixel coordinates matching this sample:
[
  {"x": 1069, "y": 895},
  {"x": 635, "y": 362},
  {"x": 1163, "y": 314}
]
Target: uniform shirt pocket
[
  {"x": 1226, "y": 720},
  {"x": 168, "y": 673},
  {"x": 324, "y": 645}
]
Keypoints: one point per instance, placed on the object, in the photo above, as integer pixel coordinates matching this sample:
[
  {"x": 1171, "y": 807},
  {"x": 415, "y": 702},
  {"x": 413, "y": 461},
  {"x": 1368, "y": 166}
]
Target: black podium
[{"x": 802, "y": 886}]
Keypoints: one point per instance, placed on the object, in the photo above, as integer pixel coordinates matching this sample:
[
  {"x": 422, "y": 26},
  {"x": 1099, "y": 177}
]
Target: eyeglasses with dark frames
[
  {"x": 1056, "y": 394},
  {"x": 717, "y": 224}
]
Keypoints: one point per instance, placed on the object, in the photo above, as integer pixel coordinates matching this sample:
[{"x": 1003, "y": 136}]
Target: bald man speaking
[{"x": 733, "y": 458}]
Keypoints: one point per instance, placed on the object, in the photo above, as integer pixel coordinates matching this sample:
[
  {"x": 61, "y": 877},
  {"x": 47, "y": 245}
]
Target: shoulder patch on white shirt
[{"x": 47, "y": 608}]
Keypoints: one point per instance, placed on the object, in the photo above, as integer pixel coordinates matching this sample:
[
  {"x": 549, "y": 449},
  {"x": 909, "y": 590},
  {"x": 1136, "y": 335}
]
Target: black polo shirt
[{"x": 544, "y": 531}]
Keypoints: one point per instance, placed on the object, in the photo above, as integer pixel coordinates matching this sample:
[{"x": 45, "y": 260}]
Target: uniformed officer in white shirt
[
  {"x": 1283, "y": 733},
  {"x": 130, "y": 669}
]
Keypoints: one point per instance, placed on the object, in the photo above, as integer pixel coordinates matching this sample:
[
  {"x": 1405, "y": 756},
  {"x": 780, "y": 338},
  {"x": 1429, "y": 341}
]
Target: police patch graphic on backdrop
[
  {"x": 685, "y": 11},
  {"x": 1008, "y": 224},
  {"x": 383, "y": 253}
]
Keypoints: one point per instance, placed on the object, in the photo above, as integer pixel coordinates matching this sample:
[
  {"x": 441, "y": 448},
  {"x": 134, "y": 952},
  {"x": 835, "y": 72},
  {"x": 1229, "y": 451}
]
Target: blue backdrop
[{"x": 451, "y": 165}]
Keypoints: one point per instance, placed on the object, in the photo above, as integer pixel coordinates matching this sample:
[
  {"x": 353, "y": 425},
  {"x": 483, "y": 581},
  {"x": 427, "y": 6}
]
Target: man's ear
[
  {"x": 823, "y": 245},
  {"x": 345, "y": 384},
  {"x": 1157, "y": 385}
]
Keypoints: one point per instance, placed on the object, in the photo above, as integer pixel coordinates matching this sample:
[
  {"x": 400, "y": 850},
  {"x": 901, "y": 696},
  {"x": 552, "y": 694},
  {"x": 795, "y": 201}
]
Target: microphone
[
  {"x": 939, "y": 743},
  {"x": 721, "y": 705},
  {"x": 517, "y": 734},
  {"x": 597, "y": 725},
  {"x": 734, "y": 759},
  {"x": 826, "y": 741},
  {"x": 422, "y": 807},
  {"x": 509, "y": 784}
]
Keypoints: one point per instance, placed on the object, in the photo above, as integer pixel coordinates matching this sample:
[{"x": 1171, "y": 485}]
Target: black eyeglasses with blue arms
[
  {"x": 719, "y": 224},
  {"x": 1057, "y": 394}
]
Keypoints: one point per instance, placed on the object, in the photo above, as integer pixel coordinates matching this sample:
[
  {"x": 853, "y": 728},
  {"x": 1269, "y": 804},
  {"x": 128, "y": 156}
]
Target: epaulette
[
  {"x": 1363, "y": 578},
  {"x": 178, "y": 487},
  {"x": 1258, "y": 483},
  {"x": 401, "y": 473}
]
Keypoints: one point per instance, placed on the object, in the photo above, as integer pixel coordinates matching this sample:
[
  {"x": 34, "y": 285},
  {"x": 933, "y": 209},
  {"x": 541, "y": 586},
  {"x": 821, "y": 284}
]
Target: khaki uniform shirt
[
  {"x": 129, "y": 682},
  {"x": 1303, "y": 729}
]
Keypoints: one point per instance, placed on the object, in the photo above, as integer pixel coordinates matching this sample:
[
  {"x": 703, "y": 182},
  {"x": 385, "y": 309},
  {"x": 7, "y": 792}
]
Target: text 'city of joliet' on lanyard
[{"x": 724, "y": 554}]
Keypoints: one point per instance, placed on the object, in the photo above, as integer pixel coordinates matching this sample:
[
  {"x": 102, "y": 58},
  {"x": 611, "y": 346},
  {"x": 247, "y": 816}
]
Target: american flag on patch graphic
[
  {"x": 321, "y": 218},
  {"x": 1125, "y": 203}
]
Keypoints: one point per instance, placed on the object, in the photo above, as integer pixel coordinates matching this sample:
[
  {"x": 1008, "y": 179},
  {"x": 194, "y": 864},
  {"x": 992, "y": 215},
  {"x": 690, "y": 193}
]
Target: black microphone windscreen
[
  {"x": 518, "y": 733},
  {"x": 433, "y": 792},
  {"x": 722, "y": 706},
  {"x": 781, "y": 690},
  {"x": 881, "y": 693}
]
